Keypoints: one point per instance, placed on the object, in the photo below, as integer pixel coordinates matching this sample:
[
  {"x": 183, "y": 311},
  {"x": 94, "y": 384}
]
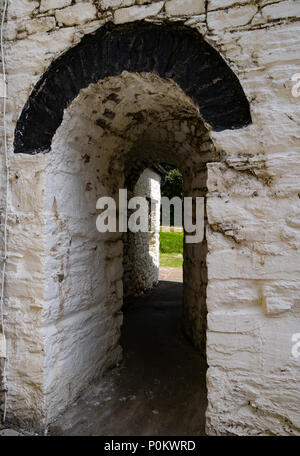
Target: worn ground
[{"x": 159, "y": 389}]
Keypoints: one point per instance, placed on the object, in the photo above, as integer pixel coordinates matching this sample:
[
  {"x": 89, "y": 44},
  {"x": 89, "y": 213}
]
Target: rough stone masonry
[{"x": 227, "y": 117}]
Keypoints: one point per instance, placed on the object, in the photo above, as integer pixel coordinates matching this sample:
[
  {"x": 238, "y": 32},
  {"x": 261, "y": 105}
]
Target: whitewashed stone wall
[
  {"x": 72, "y": 274},
  {"x": 141, "y": 255},
  {"x": 253, "y": 211}
]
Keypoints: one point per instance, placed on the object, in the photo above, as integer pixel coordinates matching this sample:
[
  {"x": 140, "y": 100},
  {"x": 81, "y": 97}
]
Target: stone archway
[
  {"x": 171, "y": 51},
  {"x": 102, "y": 119}
]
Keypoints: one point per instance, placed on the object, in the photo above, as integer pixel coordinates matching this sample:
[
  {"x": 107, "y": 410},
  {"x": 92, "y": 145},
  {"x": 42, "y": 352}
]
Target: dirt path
[
  {"x": 159, "y": 389},
  {"x": 170, "y": 274}
]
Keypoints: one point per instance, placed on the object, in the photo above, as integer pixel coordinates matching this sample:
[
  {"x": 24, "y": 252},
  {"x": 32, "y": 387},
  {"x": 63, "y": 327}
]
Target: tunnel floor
[{"x": 158, "y": 389}]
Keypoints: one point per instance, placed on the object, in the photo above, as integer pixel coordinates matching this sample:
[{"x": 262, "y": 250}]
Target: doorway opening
[
  {"x": 161, "y": 382},
  {"x": 105, "y": 147},
  {"x": 159, "y": 387},
  {"x": 106, "y": 120}
]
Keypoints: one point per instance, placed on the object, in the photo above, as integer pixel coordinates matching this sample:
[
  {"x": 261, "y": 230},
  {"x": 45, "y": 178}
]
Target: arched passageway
[
  {"x": 118, "y": 102},
  {"x": 159, "y": 388},
  {"x": 170, "y": 51}
]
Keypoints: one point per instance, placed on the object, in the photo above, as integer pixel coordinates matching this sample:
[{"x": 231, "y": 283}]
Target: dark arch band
[{"x": 170, "y": 50}]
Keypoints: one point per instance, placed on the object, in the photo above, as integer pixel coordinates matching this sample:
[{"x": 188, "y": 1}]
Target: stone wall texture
[
  {"x": 141, "y": 250},
  {"x": 64, "y": 282}
]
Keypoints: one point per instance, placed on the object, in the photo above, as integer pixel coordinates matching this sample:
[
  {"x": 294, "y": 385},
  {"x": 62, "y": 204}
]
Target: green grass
[
  {"x": 171, "y": 260},
  {"x": 171, "y": 249},
  {"x": 171, "y": 242}
]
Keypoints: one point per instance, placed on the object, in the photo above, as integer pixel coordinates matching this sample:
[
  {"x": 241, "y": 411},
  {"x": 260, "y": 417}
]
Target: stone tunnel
[{"x": 97, "y": 93}]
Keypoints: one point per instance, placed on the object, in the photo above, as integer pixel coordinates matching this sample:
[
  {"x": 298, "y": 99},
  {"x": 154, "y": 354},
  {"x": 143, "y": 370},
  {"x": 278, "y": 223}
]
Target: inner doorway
[{"x": 159, "y": 388}]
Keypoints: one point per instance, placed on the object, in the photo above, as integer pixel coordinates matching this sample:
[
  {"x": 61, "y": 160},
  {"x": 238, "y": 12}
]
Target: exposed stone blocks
[
  {"x": 116, "y": 4},
  {"x": 40, "y": 25},
  {"x": 21, "y": 9},
  {"x": 47, "y": 5},
  {"x": 185, "y": 7},
  {"x": 234, "y": 17},
  {"x": 223, "y": 4},
  {"x": 76, "y": 14},
  {"x": 136, "y": 13},
  {"x": 289, "y": 8}
]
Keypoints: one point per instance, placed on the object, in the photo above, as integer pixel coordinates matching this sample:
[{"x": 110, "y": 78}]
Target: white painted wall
[
  {"x": 141, "y": 257},
  {"x": 253, "y": 210}
]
